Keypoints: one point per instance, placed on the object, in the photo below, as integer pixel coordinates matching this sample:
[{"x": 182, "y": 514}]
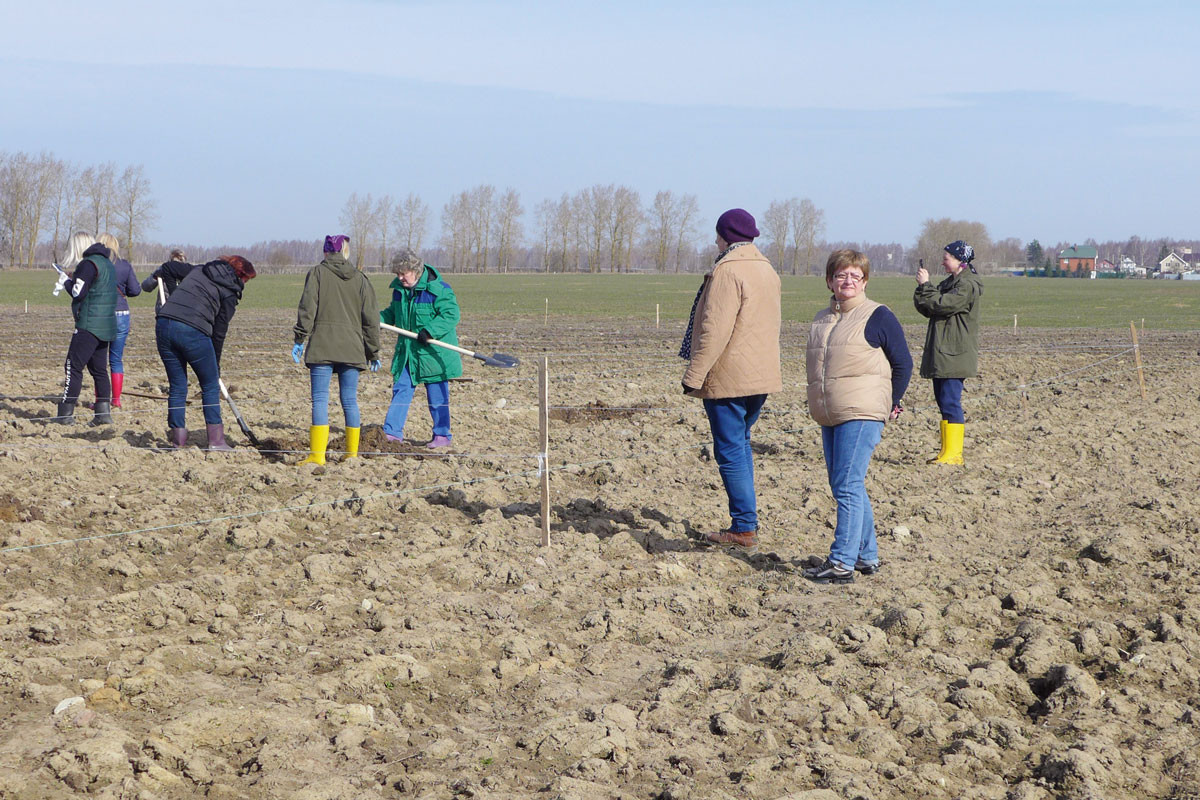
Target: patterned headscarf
[{"x": 962, "y": 251}]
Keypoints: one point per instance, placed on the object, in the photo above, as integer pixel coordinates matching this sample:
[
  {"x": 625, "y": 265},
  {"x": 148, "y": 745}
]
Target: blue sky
[{"x": 256, "y": 120}]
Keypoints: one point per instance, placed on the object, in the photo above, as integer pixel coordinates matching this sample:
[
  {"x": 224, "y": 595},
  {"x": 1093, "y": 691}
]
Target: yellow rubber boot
[
  {"x": 318, "y": 440},
  {"x": 954, "y": 444},
  {"x": 941, "y": 453},
  {"x": 352, "y": 442}
]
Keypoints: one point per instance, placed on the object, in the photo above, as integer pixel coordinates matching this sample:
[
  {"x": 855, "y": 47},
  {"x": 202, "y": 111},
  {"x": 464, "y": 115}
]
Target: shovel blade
[{"x": 499, "y": 360}]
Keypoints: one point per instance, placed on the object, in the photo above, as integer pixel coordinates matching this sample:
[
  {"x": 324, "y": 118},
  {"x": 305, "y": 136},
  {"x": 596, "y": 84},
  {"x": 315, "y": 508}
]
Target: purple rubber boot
[{"x": 438, "y": 442}]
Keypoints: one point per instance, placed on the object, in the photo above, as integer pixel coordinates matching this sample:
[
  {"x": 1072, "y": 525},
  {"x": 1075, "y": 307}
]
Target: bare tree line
[{"x": 43, "y": 197}]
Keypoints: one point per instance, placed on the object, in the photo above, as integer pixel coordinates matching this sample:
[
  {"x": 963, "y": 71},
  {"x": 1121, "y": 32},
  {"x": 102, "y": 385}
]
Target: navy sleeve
[
  {"x": 132, "y": 286},
  {"x": 883, "y": 330}
]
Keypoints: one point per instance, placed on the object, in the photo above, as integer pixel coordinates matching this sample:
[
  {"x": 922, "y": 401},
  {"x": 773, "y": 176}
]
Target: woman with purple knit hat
[{"x": 732, "y": 348}]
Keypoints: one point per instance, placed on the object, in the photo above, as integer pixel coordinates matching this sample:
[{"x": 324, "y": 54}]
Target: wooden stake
[
  {"x": 546, "y": 319},
  {"x": 544, "y": 444},
  {"x": 1014, "y": 323},
  {"x": 1137, "y": 359},
  {"x": 656, "y": 315}
]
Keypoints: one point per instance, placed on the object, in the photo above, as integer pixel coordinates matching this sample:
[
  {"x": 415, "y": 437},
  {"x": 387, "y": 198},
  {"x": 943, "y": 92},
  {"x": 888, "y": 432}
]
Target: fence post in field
[
  {"x": 1137, "y": 358},
  {"x": 544, "y": 445},
  {"x": 656, "y": 316},
  {"x": 1014, "y": 323},
  {"x": 546, "y": 319}
]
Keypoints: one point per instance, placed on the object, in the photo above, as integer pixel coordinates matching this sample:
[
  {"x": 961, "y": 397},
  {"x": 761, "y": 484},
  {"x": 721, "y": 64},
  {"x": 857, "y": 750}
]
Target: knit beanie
[{"x": 736, "y": 225}]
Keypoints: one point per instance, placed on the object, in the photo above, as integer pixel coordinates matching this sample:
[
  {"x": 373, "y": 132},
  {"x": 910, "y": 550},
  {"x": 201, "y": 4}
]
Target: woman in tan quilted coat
[{"x": 732, "y": 347}]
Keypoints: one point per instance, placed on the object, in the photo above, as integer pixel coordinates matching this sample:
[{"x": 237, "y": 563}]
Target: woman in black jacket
[{"x": 190, "y": 330}]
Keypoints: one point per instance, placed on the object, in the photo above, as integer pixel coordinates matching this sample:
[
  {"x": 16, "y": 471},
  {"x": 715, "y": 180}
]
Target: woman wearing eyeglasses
[
  {"x": 858, "y": 368},
  {"x": 951, "y": 340}
]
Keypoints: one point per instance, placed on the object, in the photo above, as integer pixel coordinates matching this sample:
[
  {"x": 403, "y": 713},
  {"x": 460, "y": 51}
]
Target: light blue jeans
[
  {"x": 116, "y": 350},
  {"x": 319, "y": 377},
  {"x": 437, "y": 395},
  {"x": 730, "y": 420},
  {"x": 848, "y": 448}
]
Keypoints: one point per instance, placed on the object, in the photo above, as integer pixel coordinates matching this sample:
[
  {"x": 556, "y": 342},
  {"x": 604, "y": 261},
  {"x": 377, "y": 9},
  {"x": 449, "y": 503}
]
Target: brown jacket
[
  {"x": 735, "y": 333},
  {"x": 847, "y": 377}
]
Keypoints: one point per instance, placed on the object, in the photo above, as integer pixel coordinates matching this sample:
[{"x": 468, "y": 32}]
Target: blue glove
[
  {"x": 297, "y": 352},
  {"x": 375, "y": 364}
]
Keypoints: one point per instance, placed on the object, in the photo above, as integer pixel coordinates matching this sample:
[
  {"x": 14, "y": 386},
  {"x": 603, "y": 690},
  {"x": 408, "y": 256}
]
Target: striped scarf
[{"x": 685, "y": 349}]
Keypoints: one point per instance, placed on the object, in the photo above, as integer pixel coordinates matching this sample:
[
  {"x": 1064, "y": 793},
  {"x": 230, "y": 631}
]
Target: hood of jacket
[
  {"x": 339, "y": 265},
  {"x": 98, "y": 250},
  {"x": 221, "y": 273}
]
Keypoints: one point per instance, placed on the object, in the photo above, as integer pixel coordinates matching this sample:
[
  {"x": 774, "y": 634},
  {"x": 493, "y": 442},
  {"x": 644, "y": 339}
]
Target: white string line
[
  {"x": 527, "y": 473},
  {"x": 247, "y": 448}
]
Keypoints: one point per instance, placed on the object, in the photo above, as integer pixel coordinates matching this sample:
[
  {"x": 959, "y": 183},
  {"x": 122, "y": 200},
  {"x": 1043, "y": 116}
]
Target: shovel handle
[{"x": 412, "y": 335}]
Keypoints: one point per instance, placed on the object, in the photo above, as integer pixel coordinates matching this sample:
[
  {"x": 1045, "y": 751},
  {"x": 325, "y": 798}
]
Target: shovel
[
  {"x": 494, "y": 360},
  {"x": 241, "y": 422}
]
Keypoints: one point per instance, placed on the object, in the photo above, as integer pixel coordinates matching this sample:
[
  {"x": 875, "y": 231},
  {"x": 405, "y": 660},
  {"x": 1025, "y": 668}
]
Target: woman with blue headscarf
[{"x": 951, "y": 340}]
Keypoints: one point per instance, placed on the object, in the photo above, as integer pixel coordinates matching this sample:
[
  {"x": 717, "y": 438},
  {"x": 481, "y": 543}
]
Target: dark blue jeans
[
  {"x": 848, "y": 448},
  {"x": 948, "y": 393},
  {"x": 730, "y": 420},
  {"x": 181, "y": 345},
  {"x": 116, "y": 350},
  {"x": 319, "y": 377}
]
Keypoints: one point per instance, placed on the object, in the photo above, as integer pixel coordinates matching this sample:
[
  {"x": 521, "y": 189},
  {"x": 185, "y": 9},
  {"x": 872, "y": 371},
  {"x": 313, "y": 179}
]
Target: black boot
[
  {"x": 177, "y": 437},
  {"x": 65, "y": 415},
  {"x": 103, "y": 411},
  {"x": 216, "y": 437}
]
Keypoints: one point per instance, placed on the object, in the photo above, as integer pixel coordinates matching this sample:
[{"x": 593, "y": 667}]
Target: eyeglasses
[{"x": 843, "y": 277}]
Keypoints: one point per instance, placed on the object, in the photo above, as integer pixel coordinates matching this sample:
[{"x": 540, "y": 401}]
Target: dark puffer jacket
[
  {"x": 206, "y": 300},
  {"x": 93, "y": 288},
  {"x": 171, "y": 272}
]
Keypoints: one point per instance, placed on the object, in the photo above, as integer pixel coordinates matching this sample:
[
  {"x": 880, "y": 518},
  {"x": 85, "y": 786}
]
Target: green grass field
[{"x": 1037, "y": 302}]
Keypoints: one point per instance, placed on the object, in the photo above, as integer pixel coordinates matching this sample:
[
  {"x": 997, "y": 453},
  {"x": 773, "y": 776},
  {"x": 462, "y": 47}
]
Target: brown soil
[{"x": 242, "y": 627}]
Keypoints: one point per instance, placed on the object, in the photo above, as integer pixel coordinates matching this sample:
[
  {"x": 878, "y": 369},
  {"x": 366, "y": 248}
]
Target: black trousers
[{"x": 86, "y": 349}]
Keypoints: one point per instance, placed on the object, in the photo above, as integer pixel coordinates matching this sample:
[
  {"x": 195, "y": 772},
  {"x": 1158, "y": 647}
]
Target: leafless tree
[
  {"x": 937, "y": 233},
  {"x": 777, "y": 226},
  {"x": 383, "y": 224},
  {"x": 808, "y": 225},
  {"x": 685, "y": 225},
  {"x": 358, "y": 221},
  {"x": 135, "y": 209},
  {"x": 457, "y": 230},
  {"x": 596, "y": 205},
  {"x": 623, "y": 227},
  {"x": 508, "y": 227},
  {"x": 481, "y": 210},
  {"x": 660, "y": 229},
  {"x": 98, "y": 187},
  {"x": 411, "y": 220}
]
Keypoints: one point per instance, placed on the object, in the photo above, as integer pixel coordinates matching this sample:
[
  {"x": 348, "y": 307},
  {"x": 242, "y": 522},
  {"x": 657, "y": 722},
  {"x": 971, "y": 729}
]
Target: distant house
[
  {"x": 1104, "y": 265},
  {"x": 1173, "y": 264},
  {"x": 1077, "y": 259},
  {"x": 1128, "y": 266}
]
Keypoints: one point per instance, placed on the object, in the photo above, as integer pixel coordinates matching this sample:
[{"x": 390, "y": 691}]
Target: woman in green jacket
[
  {"x": 425, "y": 304},
  {"x": 338, "y": 315},
  {"x": 951, "y": 340}
]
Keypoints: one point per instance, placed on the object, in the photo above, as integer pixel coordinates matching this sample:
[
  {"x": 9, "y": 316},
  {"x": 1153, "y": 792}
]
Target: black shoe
[
  {"x": 829, "y": 572},
  {"x": 103, "y": 414},
  {"x": 864, "y": 568},
  {"x": 64, "y": 414}
]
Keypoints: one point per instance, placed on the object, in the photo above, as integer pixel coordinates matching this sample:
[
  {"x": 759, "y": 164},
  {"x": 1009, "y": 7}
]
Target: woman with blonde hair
[
  {"x": 93, "y": 289},
  {"x": 127, "y": 286}
]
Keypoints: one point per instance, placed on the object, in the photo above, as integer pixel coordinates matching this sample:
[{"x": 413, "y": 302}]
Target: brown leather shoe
[{"x": 745, "y": 541}]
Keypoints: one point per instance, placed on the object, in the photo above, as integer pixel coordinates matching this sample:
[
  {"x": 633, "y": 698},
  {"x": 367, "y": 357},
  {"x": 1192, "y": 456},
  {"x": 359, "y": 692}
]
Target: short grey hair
[{"x": 406, "y": 260}]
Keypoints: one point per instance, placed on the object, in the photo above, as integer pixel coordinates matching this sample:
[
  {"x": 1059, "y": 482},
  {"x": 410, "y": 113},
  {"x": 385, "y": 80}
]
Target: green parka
[
  {"x": 338, "y": 315},
  {"x": 430, "y": 305},
  {"x": 952, "y": 338}
]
